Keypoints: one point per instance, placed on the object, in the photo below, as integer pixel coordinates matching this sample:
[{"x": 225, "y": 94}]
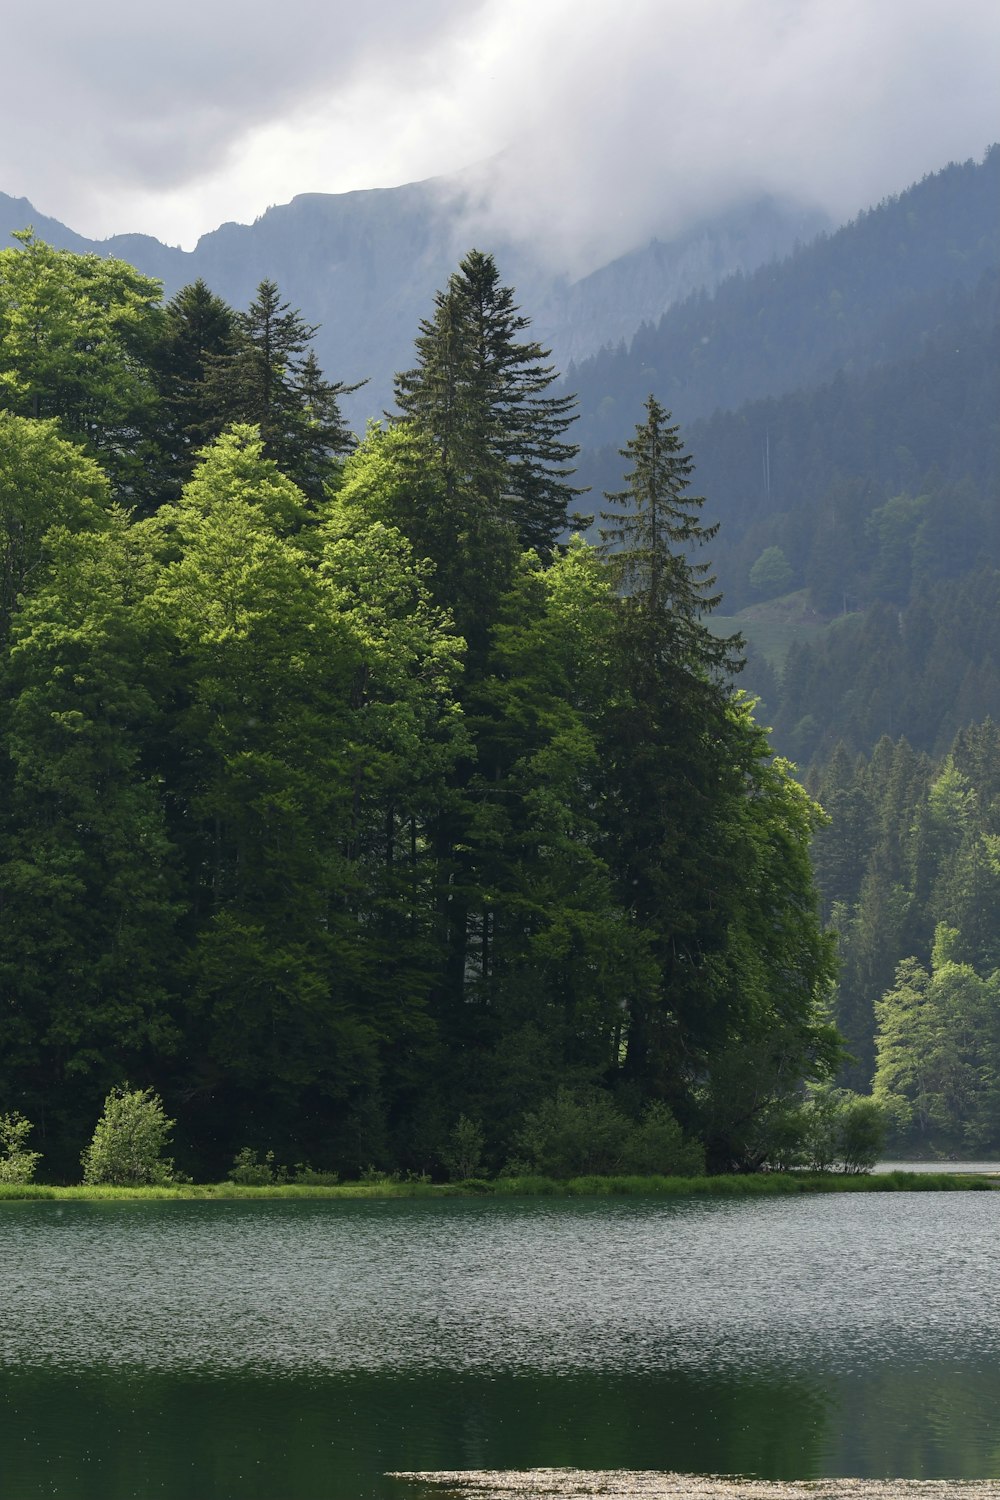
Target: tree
[
  {"x": 88, "y": 879},
  {"x": 479, "y": 393},
  {"x": 937, "y": 1050},
  {"x": 667, "y": 747},
  {"x": 270, "y": 379},
  {"x": 17, "y": 1163},
  {"x": 44, "y": 482},
  {"x": 75, "y": 338},
  {"x": 129, "y": 1141},
  {"x": 198, "y": 330},
  {"x": 771, "y": 573},
  {"x": 313, "y": 721}
]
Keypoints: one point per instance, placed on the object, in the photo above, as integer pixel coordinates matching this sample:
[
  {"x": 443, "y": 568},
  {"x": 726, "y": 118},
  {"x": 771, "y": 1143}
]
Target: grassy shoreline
[{"x": 765, "y": 1184}]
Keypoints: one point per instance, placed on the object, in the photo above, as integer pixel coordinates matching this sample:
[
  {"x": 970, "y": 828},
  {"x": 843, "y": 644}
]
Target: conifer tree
[
  {"x": 198, "y": 330},
  {"x": 479, "y": 392},
  {"x": 670, "y": 748},
  {"x": 271, "y": 380}
]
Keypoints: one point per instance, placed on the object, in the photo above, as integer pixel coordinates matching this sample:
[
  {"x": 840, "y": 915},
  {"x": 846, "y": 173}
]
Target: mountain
[
  {"x": 847, "y": 301},
  {"x": 365, "y": 267}
]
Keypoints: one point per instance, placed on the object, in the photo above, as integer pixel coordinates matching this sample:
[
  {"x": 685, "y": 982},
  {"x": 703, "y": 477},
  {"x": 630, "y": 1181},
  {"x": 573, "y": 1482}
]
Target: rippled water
[{"x": 225, "y": 1349}]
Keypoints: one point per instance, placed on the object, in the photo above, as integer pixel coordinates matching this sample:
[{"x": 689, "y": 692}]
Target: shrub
[
  {"x": 573, "y": 1134},
  {"x": 582, "y": 1132},
  {"x": 16, "y": 1164},
  {"x": 129, "y": 1141},
  {"x": 862, "y": 1134},
  {"x": 463, "y": 1154},
  {"x": 656, "y": 1147},
  {"x": 309, "y": 1176},
  {"x": 250, "y": 1170},
  {"x": 770, "y": 574},
  {"x": 838, "y": 1130}
]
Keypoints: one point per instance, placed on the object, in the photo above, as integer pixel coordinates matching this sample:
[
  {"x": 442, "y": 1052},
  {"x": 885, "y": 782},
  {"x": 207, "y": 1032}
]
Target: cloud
[
  {"x": 640, "y": 123},
  {"x": 602, "y": 126}
]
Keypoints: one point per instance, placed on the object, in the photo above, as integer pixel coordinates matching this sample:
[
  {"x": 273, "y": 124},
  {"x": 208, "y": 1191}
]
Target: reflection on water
[{"x": 304, "y": 1349}]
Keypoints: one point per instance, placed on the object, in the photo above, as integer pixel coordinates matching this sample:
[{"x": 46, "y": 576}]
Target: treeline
[
  {"x": 909, "y": 869},
  {"x": 343, "y": 802}
]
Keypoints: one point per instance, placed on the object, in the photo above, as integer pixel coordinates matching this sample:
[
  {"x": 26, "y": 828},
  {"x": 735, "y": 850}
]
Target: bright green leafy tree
[{"x": 75, "y": 337}]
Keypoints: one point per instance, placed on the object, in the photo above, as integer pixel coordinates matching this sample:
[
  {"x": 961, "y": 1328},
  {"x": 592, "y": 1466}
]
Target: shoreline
[{"x": 764, "y": 1184}]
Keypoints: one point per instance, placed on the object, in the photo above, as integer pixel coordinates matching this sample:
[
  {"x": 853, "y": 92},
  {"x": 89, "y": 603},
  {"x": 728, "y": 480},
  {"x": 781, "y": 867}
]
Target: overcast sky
[{"x": 616, "y": 121}]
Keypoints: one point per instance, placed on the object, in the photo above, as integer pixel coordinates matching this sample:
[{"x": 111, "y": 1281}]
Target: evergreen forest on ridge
[{"x": 364, "y": 794}]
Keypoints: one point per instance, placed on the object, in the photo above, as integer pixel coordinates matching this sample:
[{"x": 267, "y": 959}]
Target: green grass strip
[{"x": 764, "y": 1184}]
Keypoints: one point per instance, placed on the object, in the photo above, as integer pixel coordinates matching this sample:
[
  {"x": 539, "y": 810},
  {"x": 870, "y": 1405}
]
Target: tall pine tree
[
  {"x": 669, "y": 755},
  {"x": 271, "y": 379},
  {"x": 480, "y": 393}
]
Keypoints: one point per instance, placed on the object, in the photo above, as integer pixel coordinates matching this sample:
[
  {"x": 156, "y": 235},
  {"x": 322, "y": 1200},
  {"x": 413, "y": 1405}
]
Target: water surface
[{"x": 303, "y": 1349}]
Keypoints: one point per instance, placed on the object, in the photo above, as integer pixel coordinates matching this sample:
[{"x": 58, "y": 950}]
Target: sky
[{"x": 587, "y": 126}]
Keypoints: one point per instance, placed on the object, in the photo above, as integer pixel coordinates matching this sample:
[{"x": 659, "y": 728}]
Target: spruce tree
[
  {"x": 480, "y": 393},
  {"x": 670, "y": 751},
  {"x": 271, "y": 379},
  {"x": 198, "y": 330},
  {"x": 652, "y": 532}
]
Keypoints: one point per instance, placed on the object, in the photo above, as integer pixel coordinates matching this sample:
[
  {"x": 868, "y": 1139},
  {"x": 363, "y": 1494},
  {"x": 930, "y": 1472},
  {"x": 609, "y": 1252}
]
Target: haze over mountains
[{"x": 365, "y": 267}]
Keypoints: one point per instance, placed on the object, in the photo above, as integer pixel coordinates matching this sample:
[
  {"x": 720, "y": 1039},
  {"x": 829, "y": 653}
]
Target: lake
[{"x": 303, "y": 1349}]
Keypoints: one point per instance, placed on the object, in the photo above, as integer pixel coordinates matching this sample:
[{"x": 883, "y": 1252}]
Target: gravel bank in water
[{"x": 650, "y": 1484}]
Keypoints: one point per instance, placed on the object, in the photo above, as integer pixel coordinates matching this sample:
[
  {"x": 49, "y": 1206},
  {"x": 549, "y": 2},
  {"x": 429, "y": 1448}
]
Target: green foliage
[
  {"x": 463, "y": 1154},
  {"x": 198, "y": 330},
  {"x": 45, "y": 482},
  {"x": 938, "y": 1048},
  {"x": 263, "y": 373},
  {"x": 771, "y": 573},
  {"x": 863, "y": 1134},
  {"x": 581, "y": 1131},
  {"x": 17, "y": 1163},
  {"x": 251, "y": 1170},
  {"x": 75, "y": 331},
  {"x": 575, "y": 1131},
  {"x": 841, "y": 1129},
  {"x": 345, "y": 799},
  {"x": 129, "y": 1141},
  {"x": 656, "y": 1147},
  {"x": 478, "y": 393}
]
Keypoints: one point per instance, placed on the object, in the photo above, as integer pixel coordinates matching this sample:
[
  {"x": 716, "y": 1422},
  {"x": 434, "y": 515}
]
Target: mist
[{"x": 580, "y": 132}]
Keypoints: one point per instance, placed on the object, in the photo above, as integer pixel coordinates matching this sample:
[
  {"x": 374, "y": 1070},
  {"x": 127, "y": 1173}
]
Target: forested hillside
[
  {"x": 344, "y": 803},
  {"x": 847, "y": 301},
  {"x": 863, "y": 504}
]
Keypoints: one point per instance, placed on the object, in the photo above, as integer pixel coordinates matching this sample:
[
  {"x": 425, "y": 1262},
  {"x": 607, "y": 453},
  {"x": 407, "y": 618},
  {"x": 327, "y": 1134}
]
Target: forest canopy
[{"x": 346, "y": 798}]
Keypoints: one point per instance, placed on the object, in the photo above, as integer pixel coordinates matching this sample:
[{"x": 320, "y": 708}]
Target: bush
[
  {"x": 770, "y": 574},
  {"x": 576, "y": 1133},
  {"x": 656, "y": 1147},
  {"x": 250, "y": 1170},
  {"x": 129, "y": 1141},
  {"x": 839, "y": 1130},
  {"x": 862, "y": 1135},
  {"x": 582, "y": 1133},
  {"x": 307, "y": 1176},
  {"x": 463, "y": 1154},
  {"x": 16, "y": 1164}
]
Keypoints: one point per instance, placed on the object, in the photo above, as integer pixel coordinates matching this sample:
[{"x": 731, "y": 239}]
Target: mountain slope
[
  {"x": 365, "y": 267},
  {"x": 847, "y": 301}
]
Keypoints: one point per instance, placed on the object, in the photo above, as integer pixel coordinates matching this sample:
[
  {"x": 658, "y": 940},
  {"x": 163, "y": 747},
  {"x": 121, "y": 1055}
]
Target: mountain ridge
[{"x": 365, "y": 265}]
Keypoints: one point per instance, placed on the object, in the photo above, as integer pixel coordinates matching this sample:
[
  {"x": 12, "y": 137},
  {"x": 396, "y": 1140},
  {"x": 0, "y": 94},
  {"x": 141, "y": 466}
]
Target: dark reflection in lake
[{"x": 301, "y": 1350}]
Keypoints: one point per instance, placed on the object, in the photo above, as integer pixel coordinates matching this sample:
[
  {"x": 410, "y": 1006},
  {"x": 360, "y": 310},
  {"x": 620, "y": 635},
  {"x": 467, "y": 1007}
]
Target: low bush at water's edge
[{"x": 756, "y": 1185}]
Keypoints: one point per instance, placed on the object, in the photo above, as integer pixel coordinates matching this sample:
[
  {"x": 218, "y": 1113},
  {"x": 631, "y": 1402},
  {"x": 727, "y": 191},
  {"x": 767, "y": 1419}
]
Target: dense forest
[{"x": 347, "y": 802}]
